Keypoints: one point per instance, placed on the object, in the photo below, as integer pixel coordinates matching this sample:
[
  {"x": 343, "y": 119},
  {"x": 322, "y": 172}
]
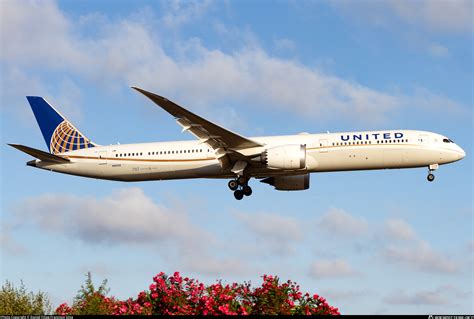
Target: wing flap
[{"x": 44, "y": 156}]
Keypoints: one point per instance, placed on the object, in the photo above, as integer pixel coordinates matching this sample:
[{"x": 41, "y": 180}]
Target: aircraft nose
[{"x": 461, "y": 152}]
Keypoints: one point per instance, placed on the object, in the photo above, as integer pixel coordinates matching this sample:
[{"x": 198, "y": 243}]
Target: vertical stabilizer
[{"x": 59, "y": 134}]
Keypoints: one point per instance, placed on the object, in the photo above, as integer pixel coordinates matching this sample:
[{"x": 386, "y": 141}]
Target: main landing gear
[
  {"x": 240, "y": 187},
  {"x": 431, "y": 169}
]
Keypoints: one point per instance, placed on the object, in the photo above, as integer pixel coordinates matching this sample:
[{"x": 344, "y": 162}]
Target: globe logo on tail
[{"x": 67, "y": 138}]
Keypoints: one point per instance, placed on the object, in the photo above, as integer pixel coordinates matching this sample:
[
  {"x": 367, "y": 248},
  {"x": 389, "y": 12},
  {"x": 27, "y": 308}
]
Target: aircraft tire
[
  {"x": 247, "y": 190},
  {"x": 233, "y": 185},
  {"x": 238, "y": 194},
  {"x": 430, "y": 177}
]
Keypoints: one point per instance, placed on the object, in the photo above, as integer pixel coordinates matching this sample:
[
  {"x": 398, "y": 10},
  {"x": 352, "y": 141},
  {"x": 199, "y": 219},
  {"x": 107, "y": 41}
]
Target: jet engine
[
  {"x": 288, "y": 183},
  {"x": 285, "y": 157}
]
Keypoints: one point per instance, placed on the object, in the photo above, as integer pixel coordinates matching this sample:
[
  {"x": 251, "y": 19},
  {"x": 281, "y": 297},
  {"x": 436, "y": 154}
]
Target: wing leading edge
[
  {"x": 225, "y": 143},
  {"x": 206, "y": 131}
]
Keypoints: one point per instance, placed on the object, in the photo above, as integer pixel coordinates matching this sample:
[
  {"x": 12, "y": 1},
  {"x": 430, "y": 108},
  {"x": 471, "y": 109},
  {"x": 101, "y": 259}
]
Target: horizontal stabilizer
[{"x": 47, "y": 157}]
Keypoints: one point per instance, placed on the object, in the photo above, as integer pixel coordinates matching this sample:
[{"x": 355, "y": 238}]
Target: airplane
[{"x": 284, "y": 162}]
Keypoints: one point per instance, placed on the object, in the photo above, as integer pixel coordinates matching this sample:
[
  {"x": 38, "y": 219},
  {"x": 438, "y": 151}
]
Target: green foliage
[
  {"x": 89, "y": 300},
  {"x": 18, "y": 301}
]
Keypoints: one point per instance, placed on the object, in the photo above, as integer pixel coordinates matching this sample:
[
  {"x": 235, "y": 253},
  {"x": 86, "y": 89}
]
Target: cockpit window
[{"x": 445, "y": 140}]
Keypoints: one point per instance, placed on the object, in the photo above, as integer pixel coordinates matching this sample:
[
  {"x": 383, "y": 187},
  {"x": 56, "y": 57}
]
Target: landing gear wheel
[
  {"x": 430, "y": 177},
  {"x": 247, "y": 190},
  {"x": 233, "y": 185},
  {"x": 238, "y": 194}
]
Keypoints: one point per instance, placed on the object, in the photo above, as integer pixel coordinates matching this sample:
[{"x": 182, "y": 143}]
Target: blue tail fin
[{"x": 59, "y": 134}]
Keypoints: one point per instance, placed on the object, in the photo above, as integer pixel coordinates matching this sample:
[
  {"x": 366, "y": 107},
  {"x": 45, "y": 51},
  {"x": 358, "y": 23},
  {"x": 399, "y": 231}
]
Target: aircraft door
[
  {"x": 102, "y": 157},
  {"x": 323, "y": 146},
  {"x": 423, "y": 139}
]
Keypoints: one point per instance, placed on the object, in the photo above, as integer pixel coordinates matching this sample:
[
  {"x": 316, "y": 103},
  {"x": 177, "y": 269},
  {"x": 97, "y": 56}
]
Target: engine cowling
[
  {"x": 285, "y": 157},
  {"x": 288, "y": 183}
]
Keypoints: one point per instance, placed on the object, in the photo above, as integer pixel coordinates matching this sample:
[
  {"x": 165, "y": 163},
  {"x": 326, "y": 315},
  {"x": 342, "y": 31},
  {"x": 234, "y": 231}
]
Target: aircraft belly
[
  {"x": 143, "y": 171},
  {"x": 136, "y": 171}
]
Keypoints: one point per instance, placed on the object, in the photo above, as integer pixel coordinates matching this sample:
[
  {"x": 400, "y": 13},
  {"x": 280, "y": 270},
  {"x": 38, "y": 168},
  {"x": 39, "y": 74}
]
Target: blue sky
[{"x": 371, "y": 242}]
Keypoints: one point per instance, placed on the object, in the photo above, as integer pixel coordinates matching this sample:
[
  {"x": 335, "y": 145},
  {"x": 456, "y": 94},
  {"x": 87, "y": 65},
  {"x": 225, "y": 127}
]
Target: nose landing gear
[
  {"x": 431, "y": 169},
  {"x": 240, "y": 187}
]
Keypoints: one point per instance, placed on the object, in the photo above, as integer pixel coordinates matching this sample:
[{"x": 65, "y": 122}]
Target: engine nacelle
[
  {"x": 285, "y": 157},
  {"x": 288, "y": 183}
]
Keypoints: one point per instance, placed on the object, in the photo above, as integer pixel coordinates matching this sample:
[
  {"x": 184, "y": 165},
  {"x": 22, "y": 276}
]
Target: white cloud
[
  {"x": 399, "y": 229},
  {"x": 440, "y": 15},
  {"x": 127, "y": 216},
  {"x": 9, "y": 245},
  {"x": 344, "y": 295},
  {"x": 401, "y": 244},
  {"x": 421, "y": 256},
  {"x": 275, "y": 231},
  {"x": 338, "y": 222},
  {"x": 179, "y": 12},
  {"x": 211, "y": 265},
  {"x": 438, "y": 50},
  {"x": 131, "y": 51},
  {"x": 446, "y": 16},
  {"x": 331, "y": 268},
  {"x": 423, "y": 297},
  {"x": 284, "y": 44},
  {"x": 272, "y": 226}
]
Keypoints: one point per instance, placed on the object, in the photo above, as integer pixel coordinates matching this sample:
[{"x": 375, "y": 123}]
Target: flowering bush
[{"x": 175, "y": 295}]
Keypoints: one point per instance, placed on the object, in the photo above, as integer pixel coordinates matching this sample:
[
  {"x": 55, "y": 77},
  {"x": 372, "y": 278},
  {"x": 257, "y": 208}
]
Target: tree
[
  {"x": 18, "y": 301},
  {"x": 90, "y": 301}
]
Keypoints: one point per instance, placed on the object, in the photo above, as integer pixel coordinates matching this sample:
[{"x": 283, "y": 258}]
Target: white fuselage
[{"x": 324, "y": 153}]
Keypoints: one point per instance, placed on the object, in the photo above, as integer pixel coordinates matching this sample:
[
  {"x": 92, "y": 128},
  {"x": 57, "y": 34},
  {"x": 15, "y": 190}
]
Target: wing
[{"x": 217, "y": 137}]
